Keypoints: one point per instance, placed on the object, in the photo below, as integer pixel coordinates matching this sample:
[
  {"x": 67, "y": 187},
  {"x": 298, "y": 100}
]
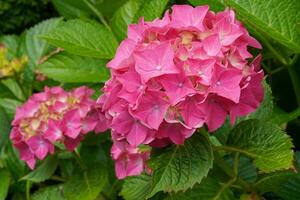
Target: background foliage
[{"x": 252, "y": 160}]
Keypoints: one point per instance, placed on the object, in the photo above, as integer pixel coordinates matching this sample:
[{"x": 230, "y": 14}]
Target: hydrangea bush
[{"x": 180, "y": 94}]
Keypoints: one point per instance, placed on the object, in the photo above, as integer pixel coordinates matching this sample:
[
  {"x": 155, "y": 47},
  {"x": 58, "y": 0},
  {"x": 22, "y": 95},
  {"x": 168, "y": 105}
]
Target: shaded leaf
[
  {"x": 5, "y": 181},
  {"x": 44, "y": 171},
  {"x": 4, "y": 128}
]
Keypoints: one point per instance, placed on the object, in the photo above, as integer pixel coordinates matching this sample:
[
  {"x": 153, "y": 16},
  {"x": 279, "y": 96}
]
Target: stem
[
  {"x": 28, "y": 186},
  {"x": 79, "y": 161},
  {"x": 98, "y": 13},
  {"x": 294, "y": 78},
  {"x": 231, "y": 173},
  {"x": 233, "y": 149}
]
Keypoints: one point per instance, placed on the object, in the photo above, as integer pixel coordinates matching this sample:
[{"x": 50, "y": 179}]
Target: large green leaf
[
  {"x": 151, "y": 9},
  {"x": 49, "y": 193},
  {"x": 87, "y": 182},
  {"x": 13, "y": 162},
  {"x": 136, "y": 187},
  {"x": 44, "y": 171},
  {"x": 275, "y": 18},
  {"x": 123, "y": 17},
  {"x": 84, "y": 38},
  {"x": 5, "y": 181},
  {"x": 181, "y": 167},
  {"x": 265, "y": 142},
  {"x": 209, "y": 189},
  {"x": 66, "y": 67},
  {"x": 4, "y": 128},
  {"x": 35, "y": 46}
]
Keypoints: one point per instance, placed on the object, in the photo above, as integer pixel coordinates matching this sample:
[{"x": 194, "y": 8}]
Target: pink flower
[
  {"x": 173, "y": 75},
  {"x": 53, "y": 116},
  {"x": 130, "y": 161}
]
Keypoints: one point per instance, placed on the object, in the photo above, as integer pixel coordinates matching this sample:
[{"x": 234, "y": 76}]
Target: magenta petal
[
  {"x": 38, "y": 146},
  {"x": 212, "y": 45},
  {"x": 137, "y": 134}
]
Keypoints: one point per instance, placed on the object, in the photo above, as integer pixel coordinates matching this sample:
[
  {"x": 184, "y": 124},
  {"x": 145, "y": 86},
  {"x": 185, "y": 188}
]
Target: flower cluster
[
  {"x": 175, "y": 74},
  {"x": 52, "y": 116}
]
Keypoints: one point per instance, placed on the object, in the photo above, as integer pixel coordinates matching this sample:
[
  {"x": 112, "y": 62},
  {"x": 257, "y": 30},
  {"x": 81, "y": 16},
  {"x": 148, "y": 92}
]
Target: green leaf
[
  {"x": 15, "y": 88},
  {"x": 44, "y": 171},
  {"x": 13, "y": 162},
  {"x": 66, "y": 67},
  {"x": 123, "y": 17},
  {"x": 49, "y": 193},
  {"x": 87, "y": 183},
  {"x": 181, "y": 167},
  {"x": 272, "y": 182},
  {"x": 279, "y": 117},
  {"x": 4, "y": 128},
  {"x": 151, "y": 9},
  {"x": 265, "y": 142},
  {"x": 290, "y": 190},
  {"x": 275, "y": 18},
  {"x": 35, "y": 46},
  {"x": 84, "y": 38},
  {"x": 209, "y": 189},
  {"x": 9, "y": 105},
  {"x": 71, "y": 8},
  {"x": 213, "y": 5},
  {"x": 5, "y": 181},
  {"x": 136, "y": 187}
]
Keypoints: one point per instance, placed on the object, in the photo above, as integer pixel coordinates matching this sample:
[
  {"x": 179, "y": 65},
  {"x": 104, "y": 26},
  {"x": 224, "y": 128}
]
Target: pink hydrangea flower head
[
  {"x": 52, "y": 116},
  {"x": 173, "y": 75}
]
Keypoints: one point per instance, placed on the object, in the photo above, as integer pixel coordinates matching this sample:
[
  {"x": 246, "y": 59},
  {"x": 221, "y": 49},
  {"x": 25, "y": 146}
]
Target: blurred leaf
[
  {"x": 49, "y": 193},
  {"x": 11, "y": 42},
  {"x": 123, "y": 17},
  {"x": 279, "y": 24},
  {"x": 208, "y": 189},
  {"x": 9, "y": 105},
  {"x": 66, "y": 67},
  {"x": 71, "y": 8},
  {"x": 84, "y": 38},
  {"x": 265, "y": 142},
  {"x": 108, "y": 7},
  {"x": 213, "y": 5},
  {"x": 151, "y": 9},
  {"x": 136, "y": 187},
  {"x": 4, "y": 128},
  {"x": 180, "y": 167},
  {"x": 15, "y": 88},
  {"x": 5, "y": 181},
  {"x": 44, "y": 171}
]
